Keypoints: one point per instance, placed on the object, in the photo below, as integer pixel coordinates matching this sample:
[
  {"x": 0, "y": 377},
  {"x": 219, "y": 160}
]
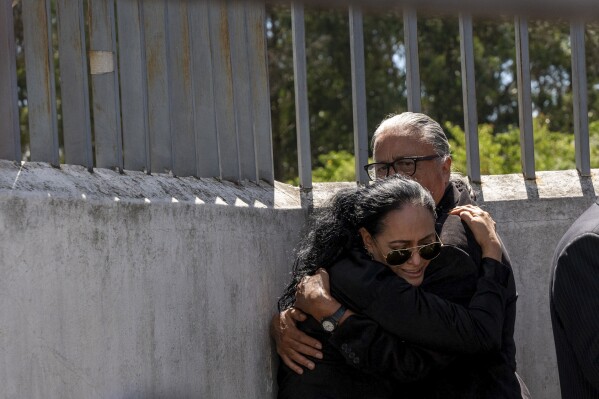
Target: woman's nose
[{"x": 415, "y": 259}]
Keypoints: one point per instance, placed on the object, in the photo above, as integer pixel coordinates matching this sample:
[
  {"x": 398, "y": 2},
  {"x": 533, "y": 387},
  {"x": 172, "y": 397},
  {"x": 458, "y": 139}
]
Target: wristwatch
[{"x": 330, "y": 323}]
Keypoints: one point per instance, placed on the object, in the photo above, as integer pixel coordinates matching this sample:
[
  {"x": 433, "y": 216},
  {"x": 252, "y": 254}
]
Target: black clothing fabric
[
  {"x": 403, "y": 334},
  {"x": 574, "y": 307}
]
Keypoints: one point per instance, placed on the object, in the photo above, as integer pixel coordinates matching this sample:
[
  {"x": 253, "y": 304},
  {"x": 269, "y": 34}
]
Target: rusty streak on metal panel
[
  {"x": 154, "y": 22},
  {"x": 180, "y": 88},
  {"x": 206, "y": 140},
  {"x": 133, "y": 89},
  {"x": 41, "y": 93},
  {"x": 223, "y": 91},
  {"x": 10, "y": 138},
  {"x": 105, "y": 87},
  {"x": 260, "y": 92},
  {"x": 76, "y": 123},
  {"x": 242, "y": 96}
]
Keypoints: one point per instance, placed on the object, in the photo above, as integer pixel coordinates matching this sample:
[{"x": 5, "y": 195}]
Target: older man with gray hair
[{"x": 414, "y": 145}]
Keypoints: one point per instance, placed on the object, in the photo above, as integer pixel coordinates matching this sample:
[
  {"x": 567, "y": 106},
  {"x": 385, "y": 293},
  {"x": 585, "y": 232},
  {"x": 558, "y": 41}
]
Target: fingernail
[
  {"x": 311, "y": 366},
  {"x": 319, "y": 355},
  {"x": 319, "y": 346}
]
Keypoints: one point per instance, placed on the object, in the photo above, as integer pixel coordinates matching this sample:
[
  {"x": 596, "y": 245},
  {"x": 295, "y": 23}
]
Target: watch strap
[{"x": 329, "y": 323}]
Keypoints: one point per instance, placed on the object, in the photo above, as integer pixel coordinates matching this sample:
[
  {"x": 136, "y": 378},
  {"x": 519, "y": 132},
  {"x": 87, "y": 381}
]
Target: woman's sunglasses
[{"x": 427, "y": 251}]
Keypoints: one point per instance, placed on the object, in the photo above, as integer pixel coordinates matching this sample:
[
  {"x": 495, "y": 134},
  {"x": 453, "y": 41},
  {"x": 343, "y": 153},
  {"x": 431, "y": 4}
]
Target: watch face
[{"x": 328, "y": 325}]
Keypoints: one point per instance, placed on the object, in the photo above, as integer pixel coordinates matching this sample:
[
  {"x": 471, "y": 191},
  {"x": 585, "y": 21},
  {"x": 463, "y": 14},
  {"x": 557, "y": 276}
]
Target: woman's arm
[{"x": 415, "y": 316}]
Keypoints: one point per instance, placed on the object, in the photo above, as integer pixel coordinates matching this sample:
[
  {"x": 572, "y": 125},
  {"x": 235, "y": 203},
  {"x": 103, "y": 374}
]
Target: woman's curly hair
[{"x": 334, "y": 228}]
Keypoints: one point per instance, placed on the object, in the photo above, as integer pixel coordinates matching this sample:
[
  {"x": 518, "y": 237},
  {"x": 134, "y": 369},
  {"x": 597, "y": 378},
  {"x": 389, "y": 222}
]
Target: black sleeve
[
  {"x": 367, "y": 347},
  {"x": 372, "y": 289},
  {"x": 576, "y": 301}
]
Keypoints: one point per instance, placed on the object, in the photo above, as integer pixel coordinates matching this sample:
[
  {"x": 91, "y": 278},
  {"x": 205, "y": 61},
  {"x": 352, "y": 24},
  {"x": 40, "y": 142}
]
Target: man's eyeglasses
[
  {"x": 427, "y": 251},
  {"x": 403, "y": 165}
]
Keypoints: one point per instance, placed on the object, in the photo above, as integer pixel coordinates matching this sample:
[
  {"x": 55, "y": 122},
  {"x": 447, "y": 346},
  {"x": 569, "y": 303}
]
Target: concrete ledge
[
  {"x": 76, "y": 182},
  {"x": 550, "y": 184}
]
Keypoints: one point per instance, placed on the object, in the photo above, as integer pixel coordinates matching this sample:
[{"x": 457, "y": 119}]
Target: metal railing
[
  {"x": 181, "y": 86},
  {"x": 165, "y": 86},
  {"x": 552, "y": 9}
]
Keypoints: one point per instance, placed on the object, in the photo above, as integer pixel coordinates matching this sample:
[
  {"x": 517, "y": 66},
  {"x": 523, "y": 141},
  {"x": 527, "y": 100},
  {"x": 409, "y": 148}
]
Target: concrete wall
[
  {"x": 531, "y": 217},
  {"x": 135, "y": 286},
  {"x": 135, "y": 299}
]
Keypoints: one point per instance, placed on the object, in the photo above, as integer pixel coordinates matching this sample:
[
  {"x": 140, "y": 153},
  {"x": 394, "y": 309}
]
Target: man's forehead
[{"x": 392, "y": 145}]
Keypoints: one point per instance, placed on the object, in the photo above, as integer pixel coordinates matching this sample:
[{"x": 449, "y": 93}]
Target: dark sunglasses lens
[
  {"x": 430, "y": 251},
  {"x": 398, "y": 256}
]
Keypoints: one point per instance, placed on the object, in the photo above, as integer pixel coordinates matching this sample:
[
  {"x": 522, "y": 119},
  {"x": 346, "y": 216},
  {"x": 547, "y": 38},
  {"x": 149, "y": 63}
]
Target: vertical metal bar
[
  {"x": 41, "y": 92},
  {"x": 469, "y": 98},
  {"x": 527, "y": 150},
  {"x": 242, "y": 96},
  {"x": 155, "y": 42},
  {"x": 180, "y": 89},
  {"x": 223, "y": 89},
  {"x": 10, "y": 140},
  {"x": 410, "y": 28},
  {"x": 579, "y": 94},
  {"x": 301, "y": 101},
  {"x": 207, "y": 152},
  {"x": 256, "y": 16},
  {"x": 356, "y": 37},
  {"x": 74, "y": 89},
  {"x": 105, "y": 85},
  {"x": 134, "y": 105}
]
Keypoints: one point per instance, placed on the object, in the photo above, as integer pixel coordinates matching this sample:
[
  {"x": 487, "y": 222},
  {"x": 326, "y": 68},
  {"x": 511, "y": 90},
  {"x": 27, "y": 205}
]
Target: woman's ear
[{"x": 367, "y": 239}]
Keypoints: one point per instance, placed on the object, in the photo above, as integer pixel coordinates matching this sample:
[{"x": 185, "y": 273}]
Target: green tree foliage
[
  {"x": 329, "y": 81},
  {"x": 334, "y": 166},
  {"x": 500, "y": 151}
]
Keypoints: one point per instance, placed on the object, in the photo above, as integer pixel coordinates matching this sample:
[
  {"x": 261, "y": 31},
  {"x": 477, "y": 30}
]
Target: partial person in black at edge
[{"x": 414, "y": 145}]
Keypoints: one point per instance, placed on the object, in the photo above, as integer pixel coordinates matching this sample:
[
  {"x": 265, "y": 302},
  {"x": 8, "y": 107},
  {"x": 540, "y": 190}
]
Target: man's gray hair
[{"x": 415, "y": 123}]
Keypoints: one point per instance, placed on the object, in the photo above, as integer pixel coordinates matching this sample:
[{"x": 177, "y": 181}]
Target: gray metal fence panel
[
  {"x": 74, "y": 89},
  {"x": 10, "y": 137},
  {"x": 154, "y": 22},
  {"x": 180, "y": 89},
  {"x": 223, "y": 91},
  {"x": 105, "y": 85},
  {"x": 579, "y": 99},
  {"x": 207, "y": 152},
  {"x": 469, "y": 98},
  {"x": 256, "y": 17},
  {"x": 358, "y": 71},
  {"x": 301, "y": 97},
  {"x": 527, "y": 151},
  {"x": 41, "y": 92},
  {"x": 243, "y": 101},
  {"x": 410, "y": 27},
  {"x": 134, "y": 106}
]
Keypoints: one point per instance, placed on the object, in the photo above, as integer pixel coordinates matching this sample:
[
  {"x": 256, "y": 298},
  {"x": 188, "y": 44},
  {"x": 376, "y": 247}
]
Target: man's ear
[
  {"x": 367, "y": 240},
  {"x": 446, "y": 167}
]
